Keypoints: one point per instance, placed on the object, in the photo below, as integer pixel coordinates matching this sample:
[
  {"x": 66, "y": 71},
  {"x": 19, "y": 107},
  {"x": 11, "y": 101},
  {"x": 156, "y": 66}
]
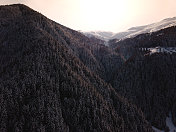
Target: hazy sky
[{"x": 108, "y": 15}]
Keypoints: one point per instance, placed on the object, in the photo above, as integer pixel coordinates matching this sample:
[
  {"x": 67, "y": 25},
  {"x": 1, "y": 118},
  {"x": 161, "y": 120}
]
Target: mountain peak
[
  {"x": 52, "y": 79},
  {"x": 15, "y": 10}
]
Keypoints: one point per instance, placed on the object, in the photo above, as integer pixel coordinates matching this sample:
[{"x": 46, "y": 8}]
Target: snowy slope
[{"x": 134, "y": 31}]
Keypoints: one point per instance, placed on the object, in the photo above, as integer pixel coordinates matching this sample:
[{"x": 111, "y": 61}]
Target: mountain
[
  {"x": 163, "y": 38},
  {"x": 149, "y": 82},
  {"x": 99, "y": 34},
  {"x": 147, "y": 78},
  {"x": 52, "y": 79},
  {"x": 134, "y": 31}
]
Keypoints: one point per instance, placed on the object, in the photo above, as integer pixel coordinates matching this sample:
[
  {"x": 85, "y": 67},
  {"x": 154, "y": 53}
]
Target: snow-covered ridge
[
  {"x": 99, "y": 34},
  {"x": 134, "y": 31}
]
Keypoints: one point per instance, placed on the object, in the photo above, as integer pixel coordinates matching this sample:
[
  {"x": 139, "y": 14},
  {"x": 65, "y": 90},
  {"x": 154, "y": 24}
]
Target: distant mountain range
[
  {"x": 134, "y": 31},
  {"x": 99, "y": 34}
]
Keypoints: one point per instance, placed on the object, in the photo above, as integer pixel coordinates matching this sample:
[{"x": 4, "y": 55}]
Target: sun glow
[
  {"x": 103, "y": 13},
  {"x": 106, "y": 15}
]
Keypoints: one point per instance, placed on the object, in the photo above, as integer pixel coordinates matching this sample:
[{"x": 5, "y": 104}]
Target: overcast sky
[{"x": 104, "y": 15}]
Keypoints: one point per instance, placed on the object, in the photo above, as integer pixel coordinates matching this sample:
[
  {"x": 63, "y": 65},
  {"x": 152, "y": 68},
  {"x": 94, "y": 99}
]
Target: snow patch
[
  {"x": 169, "y": 123},
  {"x": 156, "y": 129},
  {"x": 168, "y": 50}
]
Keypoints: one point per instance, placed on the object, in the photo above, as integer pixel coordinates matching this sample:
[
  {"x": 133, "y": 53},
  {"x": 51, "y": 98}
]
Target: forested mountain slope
[
  {"x": 50, "y": 79},
  {"x": 163, "y": 38},
  {"x": 148, "y": 79}
]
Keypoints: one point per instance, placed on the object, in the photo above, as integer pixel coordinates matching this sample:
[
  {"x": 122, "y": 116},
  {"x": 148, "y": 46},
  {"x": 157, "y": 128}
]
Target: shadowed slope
[{"x": 45, "y": 87}]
